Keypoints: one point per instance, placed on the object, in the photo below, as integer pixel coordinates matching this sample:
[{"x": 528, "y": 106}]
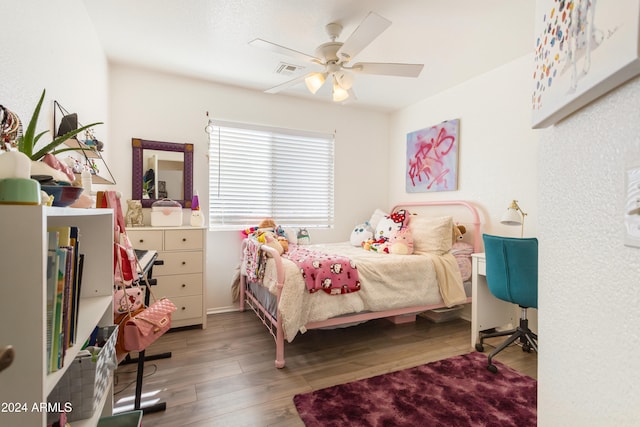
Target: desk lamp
[{"x": 514, "y": 216}]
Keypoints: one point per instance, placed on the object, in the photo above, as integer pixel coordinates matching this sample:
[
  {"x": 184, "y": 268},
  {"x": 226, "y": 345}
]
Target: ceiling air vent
[{"x": 287, "y": 69}]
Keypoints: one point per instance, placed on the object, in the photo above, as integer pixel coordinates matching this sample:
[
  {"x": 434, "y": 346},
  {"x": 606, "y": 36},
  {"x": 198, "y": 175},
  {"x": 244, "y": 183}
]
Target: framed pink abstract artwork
[
  {"x": 432, "y": 158},
  {"x": 583, "y": 49}
]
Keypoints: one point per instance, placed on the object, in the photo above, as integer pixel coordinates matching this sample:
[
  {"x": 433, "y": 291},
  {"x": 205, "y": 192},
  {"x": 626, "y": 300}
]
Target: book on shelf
[
  {"x": 65, "y": 293},
  {"x": 52, "y": 283},
  {"x": 79, "y": 271},
  {"x": 66, "y": 299},
  {"x": 74, "y": 241},
  {"x": 56, "y": 334}
]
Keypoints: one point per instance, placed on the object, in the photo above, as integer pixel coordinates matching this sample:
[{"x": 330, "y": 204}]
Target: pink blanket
[{"x": 331, "y": 273}]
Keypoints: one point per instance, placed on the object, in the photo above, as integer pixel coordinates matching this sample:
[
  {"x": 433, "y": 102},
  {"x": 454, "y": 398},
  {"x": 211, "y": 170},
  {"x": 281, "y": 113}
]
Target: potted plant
[{"x": 27, "y": 142}]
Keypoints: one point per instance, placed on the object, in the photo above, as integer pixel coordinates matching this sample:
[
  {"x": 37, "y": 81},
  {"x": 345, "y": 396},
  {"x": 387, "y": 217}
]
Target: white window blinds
[{"x": 258, "y": 172}]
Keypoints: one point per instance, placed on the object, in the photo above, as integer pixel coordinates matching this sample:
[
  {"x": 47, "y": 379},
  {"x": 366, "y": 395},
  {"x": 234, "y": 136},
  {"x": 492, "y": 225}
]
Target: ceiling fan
[{"x": 335, "y": 56}]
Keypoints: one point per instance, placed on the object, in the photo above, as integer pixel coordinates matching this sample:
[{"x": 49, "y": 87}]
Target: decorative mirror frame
[{"x": 138, "y": 145}]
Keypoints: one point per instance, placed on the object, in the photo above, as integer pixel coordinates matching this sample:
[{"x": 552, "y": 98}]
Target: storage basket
[
  {"x": 84, "y": 383},
  {"x": 440, "y": 315}
]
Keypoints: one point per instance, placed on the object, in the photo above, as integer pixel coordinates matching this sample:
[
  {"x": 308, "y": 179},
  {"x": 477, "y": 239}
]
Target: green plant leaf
[
  {"x": 27, "y": 141},
  {"x": 29, "y": 150}
]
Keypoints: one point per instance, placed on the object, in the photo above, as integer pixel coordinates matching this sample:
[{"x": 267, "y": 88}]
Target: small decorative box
[{"x": 166, "y": 213}]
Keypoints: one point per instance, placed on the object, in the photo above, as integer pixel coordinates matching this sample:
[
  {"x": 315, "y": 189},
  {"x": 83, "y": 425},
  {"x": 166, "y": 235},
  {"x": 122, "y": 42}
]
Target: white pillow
[
  {"x": 431, "y": 234},
  {"x": 376, "y": 216}
]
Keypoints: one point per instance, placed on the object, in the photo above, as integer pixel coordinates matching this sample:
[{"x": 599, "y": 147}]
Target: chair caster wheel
[
  {"x": 492, "y": 368},
  {"x": 480, "y": 348},
  {"x": 526, "y": 348}
]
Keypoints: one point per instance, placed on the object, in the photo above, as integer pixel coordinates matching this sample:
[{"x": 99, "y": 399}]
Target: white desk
[{"x": 486, "y": 310}]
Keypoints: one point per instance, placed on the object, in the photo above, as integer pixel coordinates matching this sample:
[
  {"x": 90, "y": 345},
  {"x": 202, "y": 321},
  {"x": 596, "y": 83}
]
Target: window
[{"x": 257, "y": 172}]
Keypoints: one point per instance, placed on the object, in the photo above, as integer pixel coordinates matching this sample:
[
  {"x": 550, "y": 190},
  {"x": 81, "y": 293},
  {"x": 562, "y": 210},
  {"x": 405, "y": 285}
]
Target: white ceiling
[{"x": 208, "y": 39}]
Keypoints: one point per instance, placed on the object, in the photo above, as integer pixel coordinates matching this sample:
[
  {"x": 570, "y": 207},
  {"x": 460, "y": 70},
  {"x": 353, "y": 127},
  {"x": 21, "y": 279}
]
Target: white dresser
[{"x": 181, "y": 276}]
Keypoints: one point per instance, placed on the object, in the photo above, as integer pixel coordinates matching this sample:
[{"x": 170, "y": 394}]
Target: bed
[{"x": 390, "y": 285}]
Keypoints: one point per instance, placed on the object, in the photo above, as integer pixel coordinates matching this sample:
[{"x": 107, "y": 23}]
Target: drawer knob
[
  {"x": 184, "y": 285},
  {"x": 141, "y": 240},
  {"x": 184, "y": 308},
  {"x": 184, "y": 262},
  {"x": 184, "y": 239}
]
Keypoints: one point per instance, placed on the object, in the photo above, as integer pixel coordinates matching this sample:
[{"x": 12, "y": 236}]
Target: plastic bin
[
  {"x": 166, "y": 213},
  {"x": 440, "y": 315},
  {"x": 125, "y": 419}
]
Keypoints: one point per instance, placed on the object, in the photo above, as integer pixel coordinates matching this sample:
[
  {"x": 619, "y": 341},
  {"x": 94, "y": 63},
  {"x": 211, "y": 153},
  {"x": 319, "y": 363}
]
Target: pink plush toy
[{"x": 401, "y": 242}]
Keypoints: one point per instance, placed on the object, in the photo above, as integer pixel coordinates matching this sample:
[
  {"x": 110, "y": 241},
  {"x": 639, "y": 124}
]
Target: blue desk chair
[{"x": 512, "y": 275}]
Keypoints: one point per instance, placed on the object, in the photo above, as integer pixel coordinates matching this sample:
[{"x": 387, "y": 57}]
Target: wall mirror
[{"x": 162, "y": 170}]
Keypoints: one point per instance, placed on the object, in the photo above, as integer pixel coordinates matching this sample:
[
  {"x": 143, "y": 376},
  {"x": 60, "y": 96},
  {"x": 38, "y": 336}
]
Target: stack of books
[{"x": 64, "y": 280}]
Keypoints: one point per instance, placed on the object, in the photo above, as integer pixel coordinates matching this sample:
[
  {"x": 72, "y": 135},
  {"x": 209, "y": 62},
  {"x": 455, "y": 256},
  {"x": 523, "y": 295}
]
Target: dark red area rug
[{"x": 458, "y": 391}]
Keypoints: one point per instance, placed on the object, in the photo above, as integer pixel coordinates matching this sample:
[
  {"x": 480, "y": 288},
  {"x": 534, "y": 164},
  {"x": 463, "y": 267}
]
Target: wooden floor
[{"x": 225, "y": 375}]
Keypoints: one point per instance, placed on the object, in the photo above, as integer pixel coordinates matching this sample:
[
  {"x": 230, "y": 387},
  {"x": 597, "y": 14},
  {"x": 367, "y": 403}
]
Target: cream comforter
[{"x": 388, "y": 282}]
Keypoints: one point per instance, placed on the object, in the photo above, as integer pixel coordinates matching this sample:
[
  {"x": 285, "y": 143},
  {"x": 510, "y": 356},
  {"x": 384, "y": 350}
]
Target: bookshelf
[{"x": 23, "y": 271}]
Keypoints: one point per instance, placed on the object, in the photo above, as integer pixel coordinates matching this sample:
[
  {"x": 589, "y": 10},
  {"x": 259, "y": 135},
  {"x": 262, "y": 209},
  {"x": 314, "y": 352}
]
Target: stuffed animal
[
  {"x": 380, "y": 245},
  {"x": 361, "y": 233},
  {"x": 267, "y": 223},
  {"x": 266, "y": 234},
  {"x": 249, "y": 231},
  {"x": 392, "y": 223},
  {"x": 401, "y": 242},
  {"x": 284, "y": 243},
  {"x": 134, "y": 213},
  {"x": 269, "y": 238},
  {"x": 281, "y": 233},
  {"x": 303, "y": 237},
  {"x": 458, "y": 232}
]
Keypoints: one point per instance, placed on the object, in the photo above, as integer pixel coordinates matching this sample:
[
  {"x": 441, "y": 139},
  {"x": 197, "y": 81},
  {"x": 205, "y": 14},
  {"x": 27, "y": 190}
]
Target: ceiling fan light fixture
[
  {"x": 334, "y": 57},
  {"x": 315, "y": 81},
  {"x": 344, "y": 79},
  {"x": 339, "y": 93}
]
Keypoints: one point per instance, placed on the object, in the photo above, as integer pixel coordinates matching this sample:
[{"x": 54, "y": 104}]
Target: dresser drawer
[
  {"x": 181, "y": 275},
  {"x": 179, "y": 285},
  {"x": 146, "y": 239},
  {"x": 182, "y": 239},
  {"x": 188, "y": 307},
  {"x": 183, "y": 262}
]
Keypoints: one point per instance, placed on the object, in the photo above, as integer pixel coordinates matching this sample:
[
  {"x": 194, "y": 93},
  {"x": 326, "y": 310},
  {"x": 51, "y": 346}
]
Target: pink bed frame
[{"x": 274, "y": 325}]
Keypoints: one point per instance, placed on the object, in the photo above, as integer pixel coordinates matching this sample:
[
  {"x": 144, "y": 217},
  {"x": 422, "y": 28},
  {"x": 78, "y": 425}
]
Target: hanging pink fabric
[{"x": 124, "y": 259}]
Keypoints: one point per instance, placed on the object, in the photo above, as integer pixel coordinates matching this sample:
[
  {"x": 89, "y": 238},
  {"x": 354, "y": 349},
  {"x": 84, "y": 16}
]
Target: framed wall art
[
  {"x": 583, "y": 49},
  {"x": 432, "y": 158}
]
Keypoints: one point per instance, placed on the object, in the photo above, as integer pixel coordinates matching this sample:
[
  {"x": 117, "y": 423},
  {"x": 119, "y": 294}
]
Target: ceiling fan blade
[
  {"x": 388, "y": 69},
  {"x": 372, "y": 26},
  {"x": 284, "y": 50},
  {"x": 288, "y": 83}
]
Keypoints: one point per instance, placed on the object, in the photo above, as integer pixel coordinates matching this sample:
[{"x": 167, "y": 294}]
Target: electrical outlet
[{"x": 632, "y": 208}]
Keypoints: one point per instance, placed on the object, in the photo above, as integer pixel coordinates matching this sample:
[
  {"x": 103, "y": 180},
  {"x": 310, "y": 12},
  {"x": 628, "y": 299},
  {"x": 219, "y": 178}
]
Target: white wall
[
  {"x": 150, "y": 105},
  {"x": 52, "y": 46},
  {"x": 588, "y": 369},
  {"x": 498, "y": 150}
]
